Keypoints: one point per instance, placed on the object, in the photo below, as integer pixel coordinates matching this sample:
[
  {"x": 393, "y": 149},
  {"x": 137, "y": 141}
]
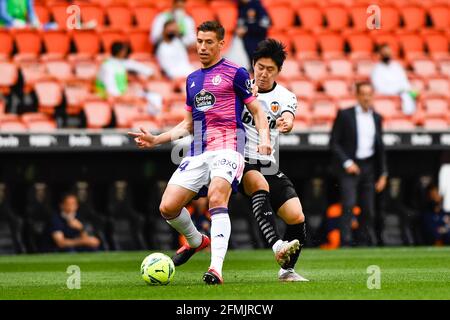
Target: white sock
[
  {"x": 276, "y": 245},
  {"x": 220, "y": 235},
  {"x": 184, "y": 225}
]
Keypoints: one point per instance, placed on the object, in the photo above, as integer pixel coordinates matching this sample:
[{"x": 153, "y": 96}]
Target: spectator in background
[
  {"x": 67, "y": 232},
  {"x": 253, "y": 22},
  {"x": 360, "y": 162},
  {"x": 112, "y": 79},
  {"x": 436, "y": 220},
  {"x": 171, "y": 54},
  {"x": 389, "y": 78},
  {"x": 186, "y": 25},
  {"x": 18, "y": 13}
]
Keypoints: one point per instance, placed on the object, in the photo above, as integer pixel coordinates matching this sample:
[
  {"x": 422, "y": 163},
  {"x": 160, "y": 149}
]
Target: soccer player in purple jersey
[{"x": 216, "y": 95}]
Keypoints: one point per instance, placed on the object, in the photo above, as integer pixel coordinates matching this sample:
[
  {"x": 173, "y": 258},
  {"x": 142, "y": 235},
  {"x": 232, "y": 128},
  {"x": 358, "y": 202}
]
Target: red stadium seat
[
  {"x": 341, "y": 67},
  {"x": 424, "y": 67},
  {"x": 32, "y": 71},
  {"x": 98, "y": 113},
  {"x": 364, "y": 67},
  {"x": 282, "y": 16},
  {"x": 28, "y": 41},
  {"x": 139, "y": 41},
  {"x": 413, "y": 17},
  {"x": 305, "y": 44},
  {"x": 435, "y": 125},
  {"x": 417, "y": 83},
  {"x": 359, "y": 17},
  {"x": 92, "y": 13},
  {"x": 42, "y": 126},
  {"x": 86, "y": 70},
  {"x": 144, "y": 16},
  {"x": 119, "y": 16},
  {"x": 439, "y": 85},
  {"x": 147, "y": 123},
  {"x": 126, "y": 112},
  {"x": 49, "y": 95},
  {"x": 331, "y": 44},
  {"x": 60, "y": 69},
  {"x": 398, "y": 125},
  {"x": 346, "y": 102},
  {"x": 303, "y": 88},
  {"x": 163, "y": 87},
  {"x": 86, "y": 41},
  {"x": 323, "y": 110},
  {"x": 310, "y": 17},
  {"x": 8, "y": 78},
  {"x": 412, "y": 45},
  {"x": 388, "y": 106},
  {"x": 42, "y": 12},
  {"x": 444, "y": 67},
  {"x": 291, "y": 69},
  {"x": 59, "y": 14},
  {"x": 390, "y": 18},
  {"x": 12, "y": 126},
  {"x": 76, "y": 93},
  {"x": 435, "y": 107},
  {"x": 200, "y": 13},
  {"x": 108, "y": 37},
  {"x": 281, "y": 36},
  {"x": 174, "y": 113},
  {"x": 227, "y": 13},
  {"x": 314, "y": 69},
  {"x": 303, "y": 113},
  {"x": 361, "y": 44},
  {"x": 336, "y": 87},
  {"x": 56, "y": 42},
  {"x": 437, "y": 45},
  {"x": 6, "y": 44},
  {"x": 28, "y": 117},
  {"x": 336, "y": 17},
  {"x": 440, "y": 16}
]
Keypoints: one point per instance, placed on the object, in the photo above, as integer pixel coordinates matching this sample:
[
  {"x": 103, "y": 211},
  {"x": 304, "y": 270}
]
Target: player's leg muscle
[
  {"x": 174, "y": 199},
  {"x": 254, "y": 181},
  {"x": 291, "y": 211}
]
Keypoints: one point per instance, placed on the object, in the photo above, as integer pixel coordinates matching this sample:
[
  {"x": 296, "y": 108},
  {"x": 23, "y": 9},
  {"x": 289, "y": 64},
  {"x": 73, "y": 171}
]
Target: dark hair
[
  {"x": 383, "y": 45},
  {"x": 67, "y": 195},
  {"x": 213, "y": 26},
  {"x": 117, "y": 47},
  {"x": 360, "y": 84},
  {"x": 273, "y": 49}
]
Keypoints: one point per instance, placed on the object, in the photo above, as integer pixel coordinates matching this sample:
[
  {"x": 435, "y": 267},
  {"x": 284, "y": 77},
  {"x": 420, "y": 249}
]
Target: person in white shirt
[
  {"x": 389, "y": 78},
  {"x": 172, "y": 55},
  {"x": 112, "y": 79},
  {"x": 186, "y": 25}
]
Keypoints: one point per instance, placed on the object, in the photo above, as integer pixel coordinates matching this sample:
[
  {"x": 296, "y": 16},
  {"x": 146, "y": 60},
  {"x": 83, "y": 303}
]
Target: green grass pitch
[{"x": 406, "y": 273}]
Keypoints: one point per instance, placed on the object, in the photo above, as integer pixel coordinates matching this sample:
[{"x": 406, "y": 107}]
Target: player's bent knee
[{"x": 168, "y": 211}]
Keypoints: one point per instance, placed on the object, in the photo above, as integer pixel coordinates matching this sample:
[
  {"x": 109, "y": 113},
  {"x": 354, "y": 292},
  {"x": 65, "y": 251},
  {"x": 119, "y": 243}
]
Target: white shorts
[{"x": 196, "y": 172}]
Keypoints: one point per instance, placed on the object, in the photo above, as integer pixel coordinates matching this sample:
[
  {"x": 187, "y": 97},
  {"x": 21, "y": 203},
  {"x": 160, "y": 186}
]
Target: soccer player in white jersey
[
  {"x": 261, "y": 173},
  {"x": 215, "y": 97}
]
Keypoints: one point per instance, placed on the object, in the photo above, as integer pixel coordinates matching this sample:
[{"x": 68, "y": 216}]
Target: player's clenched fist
[
  {"x": 265, "y": 149},
  {"x": 282, "y": 125},
  {"x": 143, "y": 139}
]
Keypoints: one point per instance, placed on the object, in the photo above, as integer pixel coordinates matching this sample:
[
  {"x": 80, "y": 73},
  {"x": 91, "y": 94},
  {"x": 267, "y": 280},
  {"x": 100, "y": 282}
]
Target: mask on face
[
  {"x": 386, "y": 59},
  {"x": 171, "y": 35}
]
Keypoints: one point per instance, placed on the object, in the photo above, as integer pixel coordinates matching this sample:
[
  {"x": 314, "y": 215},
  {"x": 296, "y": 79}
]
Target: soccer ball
[{"x": 157, "y": 269}]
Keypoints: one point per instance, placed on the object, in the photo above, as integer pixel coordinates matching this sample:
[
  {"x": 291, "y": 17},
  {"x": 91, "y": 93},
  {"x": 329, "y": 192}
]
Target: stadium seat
[
  {"x": 42, "y": 13},
  {"x": 331, "y": 44},
  {"x": 437, "y": 44},
  {"x": 174, "y": 113},
  {"x": 440, "y": 16},
  {"x": 2, "y": 107},
  {"x": 126, "y": 112},
  {"x": 417, "y": 83},
  {"x": 388, "y": 106},
  {"x": 8, "y": 78},
  {"x": 281, "y": 15},
  {"x": 424, "y": 67},
  {"x": 76, "y": 93},
  {"x": 323, "y": 110},
  {"x": 346, "y": 102},
  {"x": 60, "y": 69},
  {"x": 412, "y": 45},
  {"x": 28, "y": 41},
  {"x": 98, "y": 113},
  {"x": 413, "y": 17},
  {"x": 341, "y": 67},
  {"x": 108, "y": 37},
  {"x": 86, "y": 42},
  {"x": 398, "y": 125},
  {"x": 12, "y": 126},
  {"x": 32, "y": 71},
  {"x": 91, "y": 13},
  {"x": 361, "y": 45},
  {"x": 281, "y": 36},
  {"x": 444, "y": 67},
  {"x": 303, "y": 112},
  {"x": 435, "y": 125},
  {"x": 336, "y": 17},
  {"x": 163, "y": 87},
  {"x": 290, "y": 70},
  {"x": 305, "y": 44},
  {"x": 336, "y": 87},
  {"x": 119, "y": 16},
  {"x": 57, "y": 42},
  {"x": 28, "y": 117},
  {"x": 86, "y": 69},
  {"x": 148, "y": 123},
  {"x": 310, "y": 17},
  {"x": 381, "y": 37},
  {"x": 303, "y": 88},
  {"x": 435, "y": 107},
  {"x": 390, "y": 17},
  {"x": 364, "y": 67},
  {"x": 49, "y": 95},
  {"x": 144, "y": 16},
  {"x": 139, "y": 41},
  {"x": 439, "y": 86},
  {"x": 314, "y": 69},
  {"x": 6, "y": 44},
  {"x": 359, "y": 15},
  {"x": 200, "y": 13},
  {"x": 227, "y": 13},
  {"x": 42, "y": 126},
  {"x": 59, "y": 14}
]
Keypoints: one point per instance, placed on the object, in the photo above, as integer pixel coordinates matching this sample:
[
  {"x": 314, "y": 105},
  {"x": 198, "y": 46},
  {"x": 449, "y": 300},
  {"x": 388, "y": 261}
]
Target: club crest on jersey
[
  {"x": 248, "y": 84},
  {"x": 217, "y": 80},
  {"x": 274, "y": 107},
  {"x": 204, "y": 100}
]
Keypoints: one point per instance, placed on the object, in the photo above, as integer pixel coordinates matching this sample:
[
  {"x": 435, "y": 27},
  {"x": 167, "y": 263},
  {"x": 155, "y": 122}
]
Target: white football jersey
[{"x": 274, "y": 102}]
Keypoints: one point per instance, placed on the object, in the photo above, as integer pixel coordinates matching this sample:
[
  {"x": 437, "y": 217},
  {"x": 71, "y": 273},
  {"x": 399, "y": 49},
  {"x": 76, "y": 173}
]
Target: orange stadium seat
[
  {"x": 8, "y": 78},
  {"x": 119, "y": 16},
  {"x": 388, "y": 107},
  {"x": 56, "y": 42},
  {"x": 417, "y": 83},
  {"x": 413, "y": 17},
  {"x": 28, "y": 117},
  {"x": 98, "y": 113},
  {"x": 358, "y": 15},
  {"x": 227, "y": 13},
  {"x": 314, "y": 69},
  {"x": 49, "y": 95},
  {"x": 92, "y": 13},
  {"x": 435, "y": 125},
  {"x": 331, "y": 44},
  {"x": 361, "y": 44},
  {"x": 144, "y": 16},
  {"x": 86, "y": 69},
  {"x": 42, "y": 126},
  {"x": 125, "y": 113},
  {"x": 282, "y": 16},
  {"x": 412, "y": 45},
  {"x": 439, "y": 85},
  {"x": 60, "y": 69},
  {"x": 200, "y": 13},
  {"x": 139, "y": 41},
  {"x": 390, "y": 18},
  {"x": 444, "y": 67},
  {"x": 336, "y": 17},
  {"x": 42, "y": 12},
  {"x": 147, "y": 123},
  {"x": 108, "y": 37},
  {"x": 310, "y": 17},
  {"x": 76, "y": 92},
  {"x": 424, "y": 67},
  {"x": 435, "y": 107},
  {"x": 303, "y": 113},
  {"x": 6, "y": 44},
  {"x": 59, "y": 14},
  {"x": 437, "y": 44},
  {"x": 28, "y": 41},
  {"x": 305, "y": 44},
  {"x": 303, "y": 88},
  {"x": 341, "y": 67},
  {"x": 86, "y": 42},
  {"x": 323, "y": 110},
  {"x": 281, "y": 36},
  {"x": 336, "y": 87},
  {"x": 163, "y": 87},
  {"x": 346, "y": 102},
  {"x": 290, "y": 70},
  {"x": 440, "y": 16},
  {"x": 388, "y": 38},
  {"x": 12, "y": 126},
  {"x": 32, "y": 71},
  {"x": 398, "y": 125}
]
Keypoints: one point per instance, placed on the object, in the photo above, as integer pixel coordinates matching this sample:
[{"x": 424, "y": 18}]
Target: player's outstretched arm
[
  {"x": 262, "y": 126},
  {"x": 145, "y": 139}
]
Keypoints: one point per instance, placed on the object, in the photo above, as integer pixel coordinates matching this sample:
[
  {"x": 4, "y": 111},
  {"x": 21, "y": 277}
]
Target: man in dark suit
[{"x": 360, "y": 162}]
